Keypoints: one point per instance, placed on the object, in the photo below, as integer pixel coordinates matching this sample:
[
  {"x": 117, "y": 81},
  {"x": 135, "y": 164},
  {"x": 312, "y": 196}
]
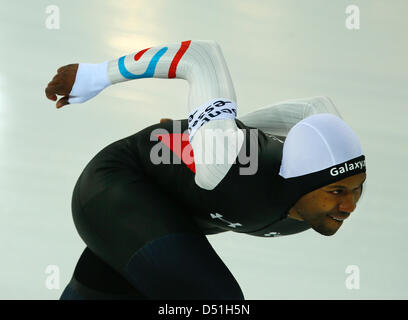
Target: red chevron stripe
[
  {"x": 140, "y": 54},
  {"x": 180, "y": 145},
  {"x": 177, "y": 58}
]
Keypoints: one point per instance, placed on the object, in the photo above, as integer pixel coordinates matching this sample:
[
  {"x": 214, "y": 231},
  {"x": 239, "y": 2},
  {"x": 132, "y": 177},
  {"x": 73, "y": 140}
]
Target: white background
[{"x": 275, "y": 50}]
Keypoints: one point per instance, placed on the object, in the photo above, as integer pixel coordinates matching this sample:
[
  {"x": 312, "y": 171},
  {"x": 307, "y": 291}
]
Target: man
[{"x": 144, "y": 204}]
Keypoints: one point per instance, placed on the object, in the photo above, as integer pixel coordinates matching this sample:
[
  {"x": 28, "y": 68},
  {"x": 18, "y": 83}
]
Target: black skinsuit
[{"x": 144, "y": 224}]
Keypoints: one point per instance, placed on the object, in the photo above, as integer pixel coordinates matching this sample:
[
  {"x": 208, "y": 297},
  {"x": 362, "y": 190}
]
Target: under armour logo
[
  {"x": 272, "y": 234},
  {"x": 230, "y": 224},
  {"x": 273, "y": 137}
]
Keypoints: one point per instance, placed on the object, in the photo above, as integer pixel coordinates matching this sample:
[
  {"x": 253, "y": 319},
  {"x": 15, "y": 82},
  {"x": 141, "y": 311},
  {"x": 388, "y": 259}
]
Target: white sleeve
[
  {"x": 202, "y": 64},
  {"x": 279, "y": 118}
]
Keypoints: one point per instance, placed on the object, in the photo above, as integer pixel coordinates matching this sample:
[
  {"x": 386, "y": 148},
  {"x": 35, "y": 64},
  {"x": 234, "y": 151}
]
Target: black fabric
[
  {"x": 76, "y": 290},
  {"x": 182, "y": 266},
  {"x": 250, "y": 202},
  {"x": 135, "y": 217},
  {"x": 95, "y": 273},
  {"x": 70, "y": 293},
  {"x": 128, "y": 214}
]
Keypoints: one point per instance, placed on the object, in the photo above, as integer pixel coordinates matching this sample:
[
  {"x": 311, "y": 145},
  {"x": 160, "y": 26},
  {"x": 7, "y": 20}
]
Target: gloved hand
[{"x": 78, "y": 83}]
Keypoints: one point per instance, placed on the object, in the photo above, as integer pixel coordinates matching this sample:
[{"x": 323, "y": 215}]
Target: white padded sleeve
[
  {"x": 199, "y": 62},
  {"x": 279, "y": 118}
]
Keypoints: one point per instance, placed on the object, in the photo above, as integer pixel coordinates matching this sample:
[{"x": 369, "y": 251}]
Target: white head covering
[{"x": 316, "y": 143}]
